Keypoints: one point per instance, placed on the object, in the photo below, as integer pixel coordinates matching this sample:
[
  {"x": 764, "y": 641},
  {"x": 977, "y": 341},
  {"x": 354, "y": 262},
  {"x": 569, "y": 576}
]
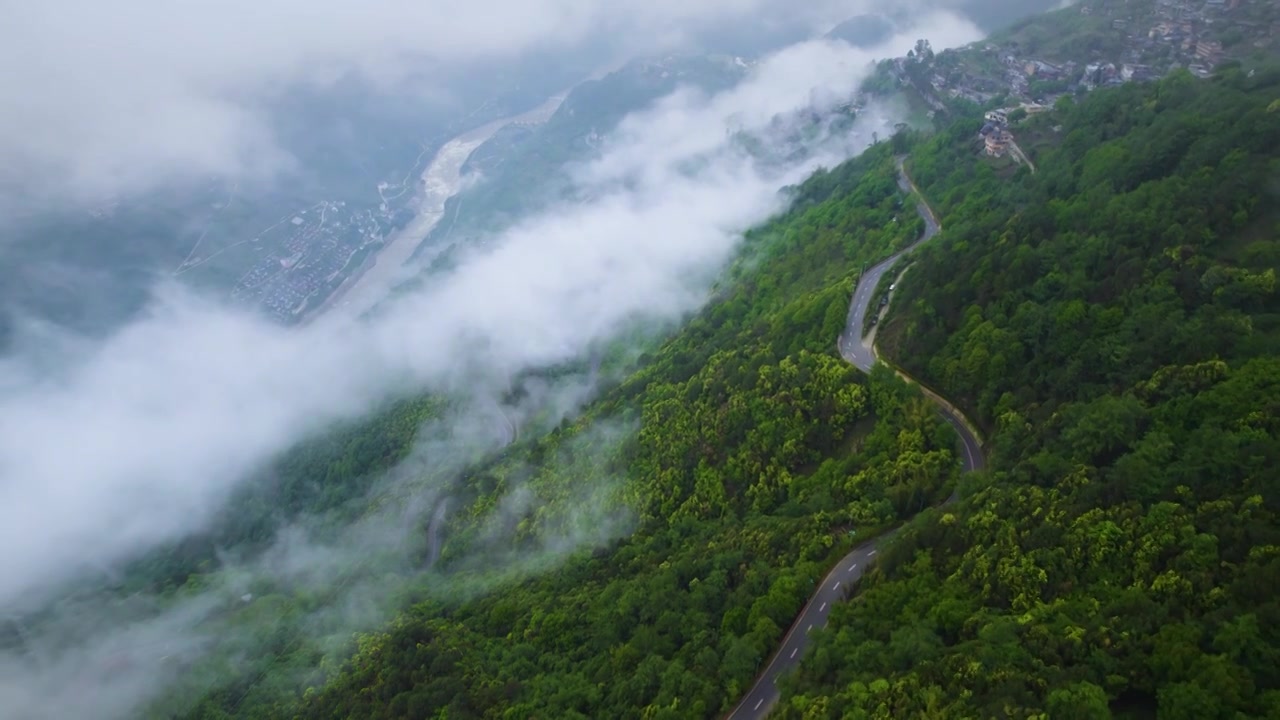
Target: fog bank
[{"x": 138, "y": 441}]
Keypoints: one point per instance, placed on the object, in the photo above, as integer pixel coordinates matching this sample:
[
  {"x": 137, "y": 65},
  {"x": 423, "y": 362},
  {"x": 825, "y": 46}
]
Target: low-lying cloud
[
  {"x": 110, "y": 98},
  {"x": 144, "y": 437}
]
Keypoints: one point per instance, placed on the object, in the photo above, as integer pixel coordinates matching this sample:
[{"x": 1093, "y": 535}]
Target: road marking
[
  {"x": 758, "y": 704},
  {"x": 853, "y": 567},
  {"x": 809, "y": 628},
  {"x": 793, "y": 652},
  {"x": 836, "y": 586},
  {"x": 968, "y": 454},
  {"x": 873, "y": 552},
  {"x": 824, "y": 607}
]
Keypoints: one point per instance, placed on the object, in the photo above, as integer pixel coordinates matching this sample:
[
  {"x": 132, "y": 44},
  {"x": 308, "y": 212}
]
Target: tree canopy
[{"x": 1112, "y": 321}]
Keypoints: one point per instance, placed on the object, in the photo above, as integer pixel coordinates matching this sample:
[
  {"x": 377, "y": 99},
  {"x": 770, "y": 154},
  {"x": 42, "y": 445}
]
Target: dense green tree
[
  {"x": 749, "y": 452},
  {"x": 1111, "y": 321}
]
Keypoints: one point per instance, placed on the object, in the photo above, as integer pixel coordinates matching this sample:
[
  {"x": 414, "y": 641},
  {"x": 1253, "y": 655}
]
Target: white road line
[
  {"x": 824, "y": 607},
  {"x": 758, "y": 704},
  {"x": 967, "y": 453},
  {"x": 793, "y": 652},
  {"x": 853, "y": 567},
  {"x": 873, "y": 552},
  {"x": 836, "y": 586},
  {"x": 809, "y": 628}
]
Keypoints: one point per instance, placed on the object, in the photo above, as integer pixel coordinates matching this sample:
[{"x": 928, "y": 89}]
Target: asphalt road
[
  {"x": 852, "y": 346},
  {"x": 857, "y": 350}
]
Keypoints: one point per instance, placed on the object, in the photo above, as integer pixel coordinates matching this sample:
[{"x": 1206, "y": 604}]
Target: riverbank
[{"x": 441, "y": 180}]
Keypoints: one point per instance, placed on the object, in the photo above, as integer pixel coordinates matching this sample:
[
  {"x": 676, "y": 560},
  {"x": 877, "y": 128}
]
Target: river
[{"x": 441, "y": 180}]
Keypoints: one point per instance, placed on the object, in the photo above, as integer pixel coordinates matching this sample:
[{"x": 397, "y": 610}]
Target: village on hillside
[{"x": 1095, "y": 43}]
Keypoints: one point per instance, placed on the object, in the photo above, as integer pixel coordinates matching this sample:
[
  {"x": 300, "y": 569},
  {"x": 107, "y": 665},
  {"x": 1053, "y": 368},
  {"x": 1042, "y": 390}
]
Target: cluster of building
[
  {"x": 1150, "y": 40},
  {"x": 997, "y": 140},
  {"x": 300, "y": 269},
  {"x": 1196, "y": 33}
]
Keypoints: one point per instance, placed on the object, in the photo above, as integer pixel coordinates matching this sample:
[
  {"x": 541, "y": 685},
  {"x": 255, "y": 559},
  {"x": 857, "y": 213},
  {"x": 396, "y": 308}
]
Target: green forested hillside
[
  {"x": 754, "y": 456},
  {"x": 1113, "y": 321},
  {"x": 1110, "y": 320}
]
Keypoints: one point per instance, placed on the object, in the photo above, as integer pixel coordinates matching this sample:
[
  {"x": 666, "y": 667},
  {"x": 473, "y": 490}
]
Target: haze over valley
[
  {"x": 567, "y": 359},
  {"x": 181, "y": 402}
]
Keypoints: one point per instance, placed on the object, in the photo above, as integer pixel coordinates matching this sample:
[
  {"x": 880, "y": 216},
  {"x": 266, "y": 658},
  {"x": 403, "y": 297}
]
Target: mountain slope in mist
[
  {"x": 525, "y": 169},
  {"x": 732, "y": 432},
  {"x": 218, "y": 396},
  {"x": 354, "y": 156}
]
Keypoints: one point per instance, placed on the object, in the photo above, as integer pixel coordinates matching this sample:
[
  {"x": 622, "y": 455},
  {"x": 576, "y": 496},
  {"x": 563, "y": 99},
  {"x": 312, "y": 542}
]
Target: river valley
[{"x": 441, "y": 180}]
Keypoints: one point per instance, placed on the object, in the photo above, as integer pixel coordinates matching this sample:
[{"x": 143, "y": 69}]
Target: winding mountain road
[{"x": 860, "y": 351}]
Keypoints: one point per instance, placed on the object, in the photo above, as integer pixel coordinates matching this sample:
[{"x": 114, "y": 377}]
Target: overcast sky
[
  {"x": 140, "y": 440},
  {"x": 111, "y": 96}
]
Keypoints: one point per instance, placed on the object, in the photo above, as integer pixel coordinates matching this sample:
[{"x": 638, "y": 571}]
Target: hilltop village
[{"x": 1025, "y": 70}]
